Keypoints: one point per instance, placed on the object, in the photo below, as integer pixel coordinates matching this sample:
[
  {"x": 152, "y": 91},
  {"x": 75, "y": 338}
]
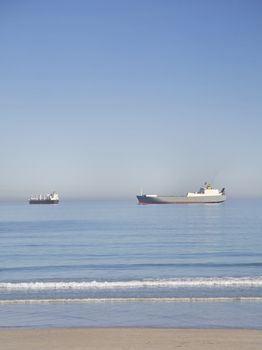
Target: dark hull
[{"x": 43, "y": 201}]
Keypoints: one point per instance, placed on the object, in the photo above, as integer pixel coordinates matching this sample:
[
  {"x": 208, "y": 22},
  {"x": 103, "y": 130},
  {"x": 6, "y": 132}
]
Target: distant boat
[
  {"x": 52, "y": 198},
  {"x": 206, "y": 194}
]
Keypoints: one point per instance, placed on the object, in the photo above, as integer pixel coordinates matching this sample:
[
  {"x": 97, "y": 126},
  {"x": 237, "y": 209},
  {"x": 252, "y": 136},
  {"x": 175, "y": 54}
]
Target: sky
[{"x": 100, "y": 99}]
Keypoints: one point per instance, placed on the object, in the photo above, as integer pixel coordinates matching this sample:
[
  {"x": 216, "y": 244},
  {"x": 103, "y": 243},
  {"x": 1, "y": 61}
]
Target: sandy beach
[{"x": 130, "y": 338}]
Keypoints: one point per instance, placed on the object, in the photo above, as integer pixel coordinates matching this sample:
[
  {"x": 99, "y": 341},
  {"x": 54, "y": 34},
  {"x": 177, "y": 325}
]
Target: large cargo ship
[
  {"x": 206, "y": 194},
  {"x": 52, "y": 198}
]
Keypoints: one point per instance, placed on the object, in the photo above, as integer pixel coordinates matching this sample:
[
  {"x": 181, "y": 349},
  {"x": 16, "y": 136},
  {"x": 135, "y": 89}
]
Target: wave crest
[
  {"x": 130, "y": 300},
  {"x": 161, "y": 283}
]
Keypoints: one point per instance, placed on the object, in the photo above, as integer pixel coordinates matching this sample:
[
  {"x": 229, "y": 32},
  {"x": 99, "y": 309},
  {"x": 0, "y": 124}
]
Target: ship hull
[
  {"x": 43, "y": 201},
  {"x": 180, "y": 200}
]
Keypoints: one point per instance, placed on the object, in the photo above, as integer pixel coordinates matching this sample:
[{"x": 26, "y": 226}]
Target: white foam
[
  {"x": 162, "y": 283},
  {"x": 130, "y": 300}
]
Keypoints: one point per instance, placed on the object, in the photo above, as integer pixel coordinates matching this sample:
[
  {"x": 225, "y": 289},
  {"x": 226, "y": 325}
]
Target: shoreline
[{"x": 130, "y": 339}]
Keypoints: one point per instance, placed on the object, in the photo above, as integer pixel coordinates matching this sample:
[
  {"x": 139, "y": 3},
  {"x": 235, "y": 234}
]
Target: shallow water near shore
[
  {"x": 115, "y": 263},
  {"x": 146, "y": 314}
]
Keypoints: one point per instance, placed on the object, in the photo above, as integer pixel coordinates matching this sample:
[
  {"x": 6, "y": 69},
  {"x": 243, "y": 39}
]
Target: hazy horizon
[{"x": 100, "y": 99}]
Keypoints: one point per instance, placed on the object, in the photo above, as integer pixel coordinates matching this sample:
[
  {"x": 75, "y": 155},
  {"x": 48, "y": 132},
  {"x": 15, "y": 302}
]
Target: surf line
[
  {"x": 228, "y": 282},
  {"x": 130, "y": 300}
]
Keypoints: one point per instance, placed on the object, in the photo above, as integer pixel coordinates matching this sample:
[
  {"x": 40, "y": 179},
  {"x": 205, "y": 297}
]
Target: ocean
[{"x": 119, "y": 264}]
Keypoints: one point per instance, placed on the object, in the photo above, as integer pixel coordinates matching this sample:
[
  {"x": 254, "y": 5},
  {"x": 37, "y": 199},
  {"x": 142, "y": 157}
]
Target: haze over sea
[
  {"x": 101, "y": 98},
  {"x": 116, "y": 263}
]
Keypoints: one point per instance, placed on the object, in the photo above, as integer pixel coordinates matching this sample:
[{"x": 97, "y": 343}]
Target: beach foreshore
[{"x": 130, "y": 339}]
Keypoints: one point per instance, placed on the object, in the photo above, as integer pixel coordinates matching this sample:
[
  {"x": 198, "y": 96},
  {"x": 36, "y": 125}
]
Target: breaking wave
[
  {"x": 130, "y": 300},
  {"x": 161, "y": 283}
]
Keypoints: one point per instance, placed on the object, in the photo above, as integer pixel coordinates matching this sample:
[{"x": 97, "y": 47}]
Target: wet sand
[{"x": 130, "y": 339}]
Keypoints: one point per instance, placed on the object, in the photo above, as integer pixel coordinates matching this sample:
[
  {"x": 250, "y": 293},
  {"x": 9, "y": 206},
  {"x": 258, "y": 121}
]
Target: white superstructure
[
  {"x": 205, "y": 191},
  {"x": 54, "y": 196}
]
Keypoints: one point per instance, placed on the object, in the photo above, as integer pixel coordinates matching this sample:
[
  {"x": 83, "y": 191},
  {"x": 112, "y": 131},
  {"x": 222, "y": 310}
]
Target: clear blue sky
[{"x": 100, "y": 98}]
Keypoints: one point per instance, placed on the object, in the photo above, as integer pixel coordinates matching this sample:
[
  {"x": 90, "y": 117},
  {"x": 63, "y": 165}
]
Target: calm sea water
[{"x": 120, "y": 264}]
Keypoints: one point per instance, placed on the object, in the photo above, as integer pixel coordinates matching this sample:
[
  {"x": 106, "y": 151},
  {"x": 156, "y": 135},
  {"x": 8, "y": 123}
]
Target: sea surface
[{"x": 117, "y": 263}]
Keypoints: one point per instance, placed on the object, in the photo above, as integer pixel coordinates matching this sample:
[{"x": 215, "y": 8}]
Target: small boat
[
  {"x": 206, "y": 194},
  {"x": 52, "y": 198}
]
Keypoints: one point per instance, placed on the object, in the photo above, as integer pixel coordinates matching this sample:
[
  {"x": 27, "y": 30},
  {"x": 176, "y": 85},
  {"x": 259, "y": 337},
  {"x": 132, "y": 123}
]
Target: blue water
[{"x": 115, "y": 263}]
